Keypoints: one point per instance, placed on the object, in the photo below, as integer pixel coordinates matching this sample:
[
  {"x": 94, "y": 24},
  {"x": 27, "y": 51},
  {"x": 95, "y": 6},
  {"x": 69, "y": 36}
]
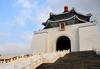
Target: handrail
[
  {"x": 36, "y": 63},
  {"x": 31, "y": 61},
  {"x": 6, "y": 59}
]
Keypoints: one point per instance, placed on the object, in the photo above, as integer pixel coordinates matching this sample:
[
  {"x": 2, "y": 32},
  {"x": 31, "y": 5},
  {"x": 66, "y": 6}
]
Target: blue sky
[{"x": 19, "y": 18}]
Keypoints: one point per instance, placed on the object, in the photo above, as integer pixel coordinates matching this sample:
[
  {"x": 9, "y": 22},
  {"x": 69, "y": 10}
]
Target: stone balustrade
[
  {"x": 29, "y": 61},
  {"x": 6, "y": 59},
  {"x": 45, "y": 58}
]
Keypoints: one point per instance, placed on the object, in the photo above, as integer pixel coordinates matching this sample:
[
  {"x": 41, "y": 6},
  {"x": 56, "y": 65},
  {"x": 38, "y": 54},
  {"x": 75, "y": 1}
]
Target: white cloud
[
  {"x": 25, "y": 3},
  {"x": 28, "y": 36},
  {"x": 13, "y": 48},
  {"x": 25, "y": 13},
  {"x": 43, "y": 16},
  {"x": 22, "y": 17}
]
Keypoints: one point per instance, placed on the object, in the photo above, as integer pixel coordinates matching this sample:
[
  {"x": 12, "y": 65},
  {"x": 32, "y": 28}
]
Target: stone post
[
  {"x": 4, "y": 59},
  {"x": 11, "y": 59},
  {"x": 31, "y": 63}
]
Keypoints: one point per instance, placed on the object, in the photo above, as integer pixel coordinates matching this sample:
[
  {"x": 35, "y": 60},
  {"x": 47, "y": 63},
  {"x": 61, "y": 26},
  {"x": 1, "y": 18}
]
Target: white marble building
[{"x": 68, "y": 30}]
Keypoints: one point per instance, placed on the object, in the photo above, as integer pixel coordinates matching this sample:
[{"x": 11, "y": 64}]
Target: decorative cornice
[{"x": 36, "y": 32}]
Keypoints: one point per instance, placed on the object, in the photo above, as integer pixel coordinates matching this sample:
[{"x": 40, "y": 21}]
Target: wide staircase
[{"x": 75, "y": 60}]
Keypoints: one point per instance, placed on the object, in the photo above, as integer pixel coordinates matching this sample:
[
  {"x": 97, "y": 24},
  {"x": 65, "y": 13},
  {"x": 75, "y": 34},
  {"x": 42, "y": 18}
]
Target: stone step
[{"x": 75, "y": 60}]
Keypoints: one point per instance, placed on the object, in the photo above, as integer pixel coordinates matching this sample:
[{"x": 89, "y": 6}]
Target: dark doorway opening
[{"x": 63, "y": 43}]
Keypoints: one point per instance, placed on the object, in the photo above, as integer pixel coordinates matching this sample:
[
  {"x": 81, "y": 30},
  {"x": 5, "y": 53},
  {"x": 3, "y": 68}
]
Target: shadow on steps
[{"x": 75, "y": 60}]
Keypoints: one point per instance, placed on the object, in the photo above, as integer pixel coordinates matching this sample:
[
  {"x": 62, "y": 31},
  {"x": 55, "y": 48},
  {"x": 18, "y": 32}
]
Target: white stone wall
[
  {"x": 71, "y": 32},
  {"x": 89, "y": 38},
  {"x": 45, "y": 40},
  {"x": 39, "y": 43}
]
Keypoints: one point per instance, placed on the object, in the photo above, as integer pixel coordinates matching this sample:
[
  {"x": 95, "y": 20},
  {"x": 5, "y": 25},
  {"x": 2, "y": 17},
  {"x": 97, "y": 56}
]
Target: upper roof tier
[
  {"x": 69, "y": 14},
  {"x": 69, "y": 17}
]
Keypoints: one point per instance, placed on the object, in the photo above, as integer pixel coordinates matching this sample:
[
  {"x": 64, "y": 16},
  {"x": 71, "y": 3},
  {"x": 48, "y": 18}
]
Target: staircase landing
[{"x": 75, "y": 60}]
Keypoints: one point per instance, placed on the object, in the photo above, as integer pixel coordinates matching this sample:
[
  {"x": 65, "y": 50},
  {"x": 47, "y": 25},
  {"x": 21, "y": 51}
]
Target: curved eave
[
  {"x": 72, "y": 10},
  {"x": 49, "y": 22},
  {"x": 75, "y": 16},
  {"x": 44, "y": 23}
]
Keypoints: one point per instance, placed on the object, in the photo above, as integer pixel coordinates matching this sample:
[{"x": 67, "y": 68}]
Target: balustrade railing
[
  {"x": 31, "y": 61},
  {"x": 32, "y": 64},
  {"x": 6, "y": 59},
  {"x": 45, "y": 59}
]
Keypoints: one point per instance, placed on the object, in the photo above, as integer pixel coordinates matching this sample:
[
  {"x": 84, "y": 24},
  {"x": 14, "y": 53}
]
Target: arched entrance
[{"x": 63, "y": 43}]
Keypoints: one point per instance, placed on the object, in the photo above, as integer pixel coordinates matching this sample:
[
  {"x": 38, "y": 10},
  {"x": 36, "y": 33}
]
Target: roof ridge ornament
[{"x": 65, "y": 8}]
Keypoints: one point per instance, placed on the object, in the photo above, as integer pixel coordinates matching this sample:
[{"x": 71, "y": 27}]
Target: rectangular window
[{"x": 62, "y": 26}]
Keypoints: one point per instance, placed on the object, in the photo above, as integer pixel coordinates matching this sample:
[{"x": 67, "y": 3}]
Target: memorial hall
[{"x": 69, "y": 29}]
